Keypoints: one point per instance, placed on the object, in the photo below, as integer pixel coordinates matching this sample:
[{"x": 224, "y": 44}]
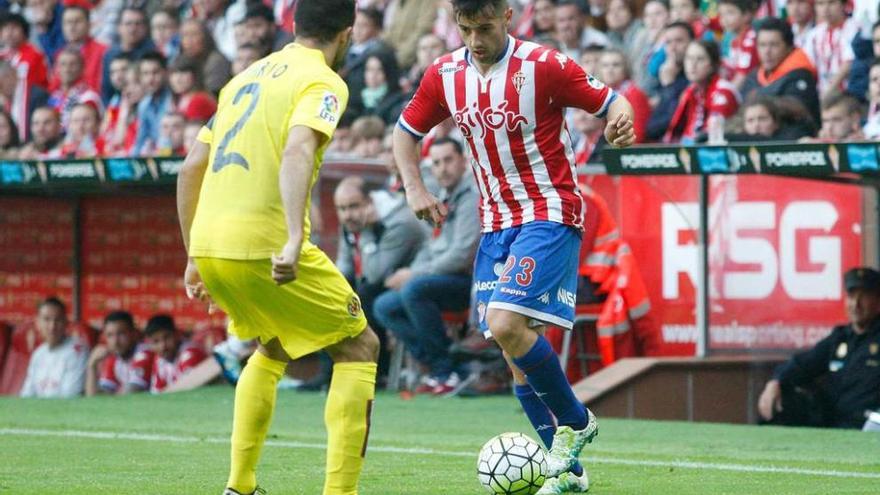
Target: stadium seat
[{"x": 25, "y": 339}]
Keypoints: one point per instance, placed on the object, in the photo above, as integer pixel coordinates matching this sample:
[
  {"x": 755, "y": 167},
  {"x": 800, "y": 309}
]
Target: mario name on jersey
[{"x": 473, "y": 119}]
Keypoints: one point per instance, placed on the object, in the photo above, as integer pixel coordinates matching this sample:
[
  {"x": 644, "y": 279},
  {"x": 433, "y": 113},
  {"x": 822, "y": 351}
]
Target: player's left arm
[
  {"x": 620, "y": 131},
  {"x": 572, "y": 87}
]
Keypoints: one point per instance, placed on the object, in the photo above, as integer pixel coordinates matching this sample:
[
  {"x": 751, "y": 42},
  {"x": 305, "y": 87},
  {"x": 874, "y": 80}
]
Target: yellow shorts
[{"x": 316, "y": 310}]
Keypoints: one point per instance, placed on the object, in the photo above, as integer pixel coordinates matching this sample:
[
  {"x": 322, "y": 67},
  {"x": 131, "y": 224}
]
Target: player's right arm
[
  {"x": 189, "y": 185},
  {"x": 423, "y": 112}
]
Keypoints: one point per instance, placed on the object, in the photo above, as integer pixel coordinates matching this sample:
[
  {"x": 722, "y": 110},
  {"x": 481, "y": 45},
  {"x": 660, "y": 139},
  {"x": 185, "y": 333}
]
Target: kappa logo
[
  {"x": 450, "y": 70},
  {"x": 518, "y": 80},
  {"x": 561, "y": 58}
]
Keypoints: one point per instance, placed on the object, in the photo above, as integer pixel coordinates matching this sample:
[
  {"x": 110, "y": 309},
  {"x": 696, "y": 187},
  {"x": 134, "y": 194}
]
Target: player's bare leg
[
  {"x": 255, "y": 396},
  {"x": 531, "y": 353},
  {"x": 348, "y": 408}
]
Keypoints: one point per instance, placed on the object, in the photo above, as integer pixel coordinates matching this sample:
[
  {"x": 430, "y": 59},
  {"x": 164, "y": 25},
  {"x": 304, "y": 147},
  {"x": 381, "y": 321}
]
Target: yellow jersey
[{"x": 240, "y": 214}]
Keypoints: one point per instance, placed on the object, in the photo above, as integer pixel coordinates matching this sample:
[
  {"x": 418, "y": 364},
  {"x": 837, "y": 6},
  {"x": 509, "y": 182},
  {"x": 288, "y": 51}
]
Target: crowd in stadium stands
[
  {"x": 66, "y": 365},
  {"x": 85, "y": 78}
]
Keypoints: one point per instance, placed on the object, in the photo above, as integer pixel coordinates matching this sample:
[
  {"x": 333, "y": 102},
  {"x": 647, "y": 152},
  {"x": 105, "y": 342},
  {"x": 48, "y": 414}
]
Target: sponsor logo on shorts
[
  {"x": 565, "y": 297},
  {"x": 485, "y": 285},
  {"x": 354, "y": 306},
  {"x": 514, "y": 292},
  {"x": 481, "y": 311}
]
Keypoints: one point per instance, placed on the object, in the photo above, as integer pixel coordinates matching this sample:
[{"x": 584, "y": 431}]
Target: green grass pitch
[{"x": 178, "y": 444}]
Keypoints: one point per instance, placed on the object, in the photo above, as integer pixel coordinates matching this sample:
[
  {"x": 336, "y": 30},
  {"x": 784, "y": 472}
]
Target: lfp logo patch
[{"x": 329, "y": 107}]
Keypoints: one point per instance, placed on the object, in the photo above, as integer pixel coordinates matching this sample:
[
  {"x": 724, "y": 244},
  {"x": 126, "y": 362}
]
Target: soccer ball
[{"x": 512, "y": 464}]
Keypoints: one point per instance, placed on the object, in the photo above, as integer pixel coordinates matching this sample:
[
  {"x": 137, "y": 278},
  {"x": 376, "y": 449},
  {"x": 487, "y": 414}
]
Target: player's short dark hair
[
  {"x": 119, "y": 316},
  {"x": 473, "y": 8},
  {"x": 448, "y": 140},
  {"x": 19, "y": 20},
  {"x": 154, "y": 56},
  {"x": 745, "y": 6},
  {"x": 322, "y": 20},
  {"x": 375, "y": 16},
  {"x": 776, "y": 24},
  {"x": 160, "y": 323},
  {"x": 681, "y": 25},
  {"x": 53, "y": 301}
]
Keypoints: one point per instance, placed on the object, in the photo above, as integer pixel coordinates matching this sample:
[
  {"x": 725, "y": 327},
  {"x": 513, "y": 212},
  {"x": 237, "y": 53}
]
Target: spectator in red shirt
[
  {"x": 173, "y": 356},
  {"x": 707, "y": 101},
  {"x": 111, "y": 367},
  {"x": 75, "y": 25},
  {"x": 72, "y": 89},
  {"x": 739, "y": 50},
  {"x": 120, "y": 126},
  {"x": 800, "y": 16},
  {"x": 829, "y": 45},
  {"x": 189, "y": 99},
  {"x": 27, "y": 60},
  {"x": 19, "y": 99},
  {"x": 614, "y": 70},
  {"x": 82, "y": 139},
  {"x": 46, "y": 135}
]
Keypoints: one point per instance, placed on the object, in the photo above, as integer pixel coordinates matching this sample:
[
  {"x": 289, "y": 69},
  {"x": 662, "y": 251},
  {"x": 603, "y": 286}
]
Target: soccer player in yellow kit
[{"x": 243, "y": 196}]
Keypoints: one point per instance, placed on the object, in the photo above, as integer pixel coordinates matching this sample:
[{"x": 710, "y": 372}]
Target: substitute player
[
  {"x": 243, "y": 209},
  {"x": 507, "y": 98}
]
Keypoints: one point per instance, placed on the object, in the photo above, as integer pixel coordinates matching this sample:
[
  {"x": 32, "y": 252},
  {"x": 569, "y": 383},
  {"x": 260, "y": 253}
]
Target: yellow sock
[
  {"x": 254, "y": 405},
  {"x": 347, "y": 416}
]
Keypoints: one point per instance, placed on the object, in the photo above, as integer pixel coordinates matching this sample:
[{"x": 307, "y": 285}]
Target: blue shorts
[{"x": 530, "y": 270}]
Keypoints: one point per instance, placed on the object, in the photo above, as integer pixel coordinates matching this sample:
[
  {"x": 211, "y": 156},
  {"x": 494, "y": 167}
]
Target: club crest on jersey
[
  {"x": 470, "y": 118},
  {"x": 354, "y": 306},
  {"x": 329, "y": 107},
  {"x": 518, "y": 80}
]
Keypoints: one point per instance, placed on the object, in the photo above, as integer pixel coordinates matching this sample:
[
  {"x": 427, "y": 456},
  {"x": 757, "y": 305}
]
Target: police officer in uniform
[{"x": 837, "y": 382}]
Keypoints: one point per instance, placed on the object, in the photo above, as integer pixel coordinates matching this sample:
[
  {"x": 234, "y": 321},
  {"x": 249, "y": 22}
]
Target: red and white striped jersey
[
  {"x": 830, "y": 47},
  {"x": 513, "y": 121},
  {"x": 167, "y": 372},
  {"x": 118, "y": 372}
]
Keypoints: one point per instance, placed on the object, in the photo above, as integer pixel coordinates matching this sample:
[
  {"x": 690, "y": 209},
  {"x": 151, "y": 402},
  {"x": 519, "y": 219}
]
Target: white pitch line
[{"x": 146, "y": 437}]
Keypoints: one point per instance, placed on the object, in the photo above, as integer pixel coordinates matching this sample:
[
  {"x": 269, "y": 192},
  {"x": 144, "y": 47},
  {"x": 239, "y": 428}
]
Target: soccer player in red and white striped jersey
[{"x": 508, "y": 99}]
